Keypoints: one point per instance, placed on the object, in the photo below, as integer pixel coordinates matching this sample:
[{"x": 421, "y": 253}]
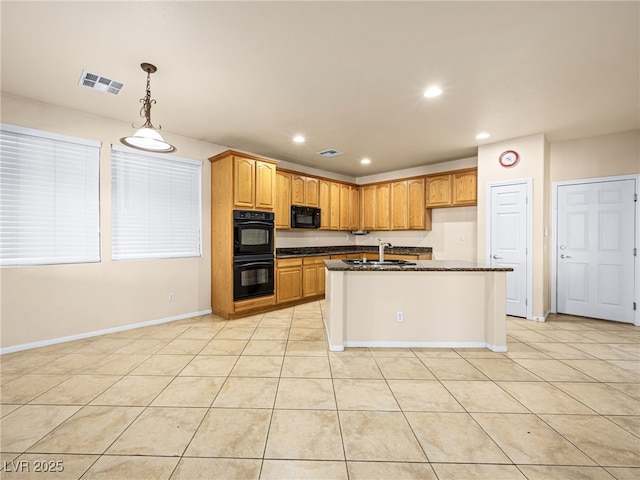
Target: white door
[
  {"x": 508, "y": 244},
  {"x": 595, "y": 255}
]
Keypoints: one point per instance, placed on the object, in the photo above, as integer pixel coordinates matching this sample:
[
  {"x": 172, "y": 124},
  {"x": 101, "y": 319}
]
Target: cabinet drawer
[
  {"x": 288, "y": 262},
  {"x": 315, "y": 260}
]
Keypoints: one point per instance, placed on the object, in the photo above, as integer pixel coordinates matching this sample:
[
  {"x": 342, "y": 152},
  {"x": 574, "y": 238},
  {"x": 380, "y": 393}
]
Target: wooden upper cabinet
[
  {"x": 354, "y": 208},
  {"x": 324, "y": 202},
  {"x": 453, "y": 189},
  {"x": 416, "y": 205},
  {"x": 368, "y": 207},
  {"x": 334, "y": 217},
  {"x": 311, "y": 189},
  {"x": 254, "y": 183},
  {"x": 345, "y": 207},
  {"x": 399, "y": 205},
  {"x": 244, "y": 174},
  {"x": 265, "y": 185},
  {"x": 297, "y": 190},
  {"x": 283, "y": 200},
  {"x": 465, "y": 187},
  {"x": 439, "y": 190},
  {"x": 383, "y": 206},
  {"x": 304, "y": 190}
]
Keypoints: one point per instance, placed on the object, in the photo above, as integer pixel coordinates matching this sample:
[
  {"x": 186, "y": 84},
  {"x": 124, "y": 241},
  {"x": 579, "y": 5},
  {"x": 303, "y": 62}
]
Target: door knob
[
  {"x": 496, "y": 257},
  {"x": 564, "y": 256},
  {"x": 562, "y": 247}
]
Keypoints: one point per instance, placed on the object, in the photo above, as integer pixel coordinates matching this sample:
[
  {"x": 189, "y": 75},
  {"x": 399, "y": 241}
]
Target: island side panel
[
  {"x": 496, "y": 311},
  {"x": 335, "y": 295},
  {"x": 439, "y": 308}
]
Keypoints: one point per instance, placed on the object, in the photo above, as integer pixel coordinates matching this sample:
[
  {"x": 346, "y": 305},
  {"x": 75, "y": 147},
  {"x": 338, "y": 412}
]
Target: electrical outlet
[
  {"x": 399, "y": 316},
  {"x": 171, "y": 297},
  {"x": 461, "y": 237}
]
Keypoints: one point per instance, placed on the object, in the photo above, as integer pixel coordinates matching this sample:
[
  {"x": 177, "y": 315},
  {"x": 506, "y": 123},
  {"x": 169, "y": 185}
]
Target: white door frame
[
  {"x": 554, "y": 238},
  {"x": 529, "y": 235}
]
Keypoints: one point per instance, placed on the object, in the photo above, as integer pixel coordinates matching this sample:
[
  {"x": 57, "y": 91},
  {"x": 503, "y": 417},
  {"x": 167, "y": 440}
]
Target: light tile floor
[{"x": 261, "y": 397}]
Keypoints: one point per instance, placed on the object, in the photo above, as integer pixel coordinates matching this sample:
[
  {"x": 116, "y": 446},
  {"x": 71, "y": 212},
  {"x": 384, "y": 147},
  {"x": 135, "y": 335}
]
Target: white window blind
[
  {"x": 155, "y": 206},
  {"x": 49, "y": 198}
]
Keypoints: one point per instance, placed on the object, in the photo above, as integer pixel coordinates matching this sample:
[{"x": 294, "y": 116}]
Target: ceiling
[{"x": 348, "y": 75}]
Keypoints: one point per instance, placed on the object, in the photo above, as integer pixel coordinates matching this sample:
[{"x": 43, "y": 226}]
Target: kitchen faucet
[{"x": 381, "y": 246}]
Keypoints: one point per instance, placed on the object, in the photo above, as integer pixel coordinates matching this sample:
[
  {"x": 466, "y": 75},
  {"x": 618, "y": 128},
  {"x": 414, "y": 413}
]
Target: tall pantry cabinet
[{"x": 239, "y": 181}]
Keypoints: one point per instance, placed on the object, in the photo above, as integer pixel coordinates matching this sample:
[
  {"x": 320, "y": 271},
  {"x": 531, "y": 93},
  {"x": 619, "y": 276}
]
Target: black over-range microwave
[{"x": 305, "y": 217}]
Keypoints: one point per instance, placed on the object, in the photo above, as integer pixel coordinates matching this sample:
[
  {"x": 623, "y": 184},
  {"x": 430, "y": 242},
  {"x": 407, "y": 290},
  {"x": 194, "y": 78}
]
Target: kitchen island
[{"x": 426, "y": 303}]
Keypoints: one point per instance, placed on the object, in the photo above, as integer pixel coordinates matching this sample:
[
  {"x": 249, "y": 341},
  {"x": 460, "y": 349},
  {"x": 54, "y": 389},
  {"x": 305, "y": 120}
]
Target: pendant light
[{"x": 147, "y": 138}]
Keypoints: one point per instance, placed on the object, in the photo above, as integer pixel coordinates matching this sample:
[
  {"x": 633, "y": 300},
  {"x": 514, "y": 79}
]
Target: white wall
[
  {"x": 40, "y": 303},
  {"x": 533, "y": 151},
  {"x": 594, "y": 157}
]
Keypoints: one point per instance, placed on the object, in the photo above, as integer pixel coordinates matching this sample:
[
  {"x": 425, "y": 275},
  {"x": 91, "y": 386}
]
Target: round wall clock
[{"x": 509, "y": 158}]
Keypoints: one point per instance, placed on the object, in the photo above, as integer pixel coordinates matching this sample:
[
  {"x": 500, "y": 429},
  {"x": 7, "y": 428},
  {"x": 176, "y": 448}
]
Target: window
[
  {"x": 49, "y": 198},
  {"x": 155, "y": 205}
]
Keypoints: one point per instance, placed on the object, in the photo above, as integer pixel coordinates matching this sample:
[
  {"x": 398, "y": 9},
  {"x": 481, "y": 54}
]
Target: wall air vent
[
  {"x": 330, "y": 153},
  {"x": 98, "y": 82}
]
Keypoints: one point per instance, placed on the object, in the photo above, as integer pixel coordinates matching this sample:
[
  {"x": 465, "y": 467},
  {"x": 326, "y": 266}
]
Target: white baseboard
[
  {"x": 96, "y": 333},
  {"x": 542, "y": 319},
  {"x": 382, "y": 344}
]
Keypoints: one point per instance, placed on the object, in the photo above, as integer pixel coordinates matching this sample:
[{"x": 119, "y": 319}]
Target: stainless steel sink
[{"x": 376, "y": 263}]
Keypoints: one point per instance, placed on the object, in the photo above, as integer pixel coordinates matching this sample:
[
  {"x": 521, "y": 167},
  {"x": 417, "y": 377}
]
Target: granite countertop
[
  {"x": 419, "y": 266},
  {"x": 335, "y": 250}
]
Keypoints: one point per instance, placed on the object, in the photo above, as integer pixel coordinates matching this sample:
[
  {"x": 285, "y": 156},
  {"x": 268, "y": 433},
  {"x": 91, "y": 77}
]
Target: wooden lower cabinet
[
  {"x": 254, "y": 304},
  {"x": 313, "y": 276},
  {"x": 288, "y": 280},
  {"x": 299, "y": 278}
]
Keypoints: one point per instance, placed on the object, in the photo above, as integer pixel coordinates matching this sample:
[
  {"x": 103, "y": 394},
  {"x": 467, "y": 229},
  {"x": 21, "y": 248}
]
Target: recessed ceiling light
[
  {"x": 433, "y": 91},
  {"x": 365, "y": 161},
  {"x": 482, "y": 136},
  {"x": 299, "y": 139}
]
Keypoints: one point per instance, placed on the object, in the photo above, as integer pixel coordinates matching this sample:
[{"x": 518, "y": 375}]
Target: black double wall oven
[{"x": 253, "y": 254}]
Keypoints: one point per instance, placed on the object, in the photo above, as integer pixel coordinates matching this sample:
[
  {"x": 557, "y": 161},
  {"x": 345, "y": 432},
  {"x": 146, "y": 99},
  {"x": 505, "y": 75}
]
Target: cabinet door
[
  {"x": 309, "y": 280},
  {"x": 289, "y": 284},
  {"x": 399, "y": 207},
  {"x": 354, "y": 208},
  {"x": 416, "y": 207},
  {"x": 244, "y": 170},
  {"x": 283, "y": 200},
  {"x": 369, "y": 207},
  {"x": 334, "y": 223},
  {"x": 383, "y": 206},
  {"x": 345, "y": 213},
  {"x": 439, "y": 190},
  {"x": 465, "y": 187},
  {"x": 321, "y": 279},
  {"x": 325, "y": 204},
  {"x": 297, "y": 190},
  {"x": 265, "y": 185},
  {"x": 311, "y": 191}
]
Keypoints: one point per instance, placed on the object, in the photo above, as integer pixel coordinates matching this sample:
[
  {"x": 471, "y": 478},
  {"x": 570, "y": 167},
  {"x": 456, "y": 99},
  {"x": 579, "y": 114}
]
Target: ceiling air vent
[
  {"x": 330, "y": 153},
  {"x": 98, "y": 82}
]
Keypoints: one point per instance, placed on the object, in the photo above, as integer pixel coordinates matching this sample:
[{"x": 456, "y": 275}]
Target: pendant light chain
[{"x": 147, "y": 101}]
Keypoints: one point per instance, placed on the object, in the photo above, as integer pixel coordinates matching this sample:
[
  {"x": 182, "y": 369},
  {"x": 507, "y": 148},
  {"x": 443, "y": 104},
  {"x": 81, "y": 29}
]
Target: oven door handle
[
  {"x": 253, "y": 264},
  {"x": 254, "y": 222}
]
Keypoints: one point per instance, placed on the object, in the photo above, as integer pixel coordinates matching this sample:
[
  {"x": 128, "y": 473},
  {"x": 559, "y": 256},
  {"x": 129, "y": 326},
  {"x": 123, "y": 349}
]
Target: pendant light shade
[{"x": 147, "y": 138}]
